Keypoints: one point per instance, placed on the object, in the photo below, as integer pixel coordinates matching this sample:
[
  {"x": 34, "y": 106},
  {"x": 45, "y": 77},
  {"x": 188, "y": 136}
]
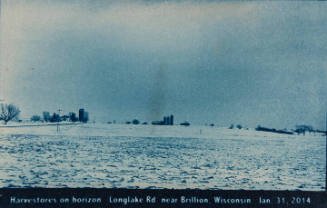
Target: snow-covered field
[{"x": 128, "y": 156}]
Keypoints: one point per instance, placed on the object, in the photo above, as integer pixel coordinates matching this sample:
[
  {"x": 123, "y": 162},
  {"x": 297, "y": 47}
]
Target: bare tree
[{"x": 9, "y": 112}]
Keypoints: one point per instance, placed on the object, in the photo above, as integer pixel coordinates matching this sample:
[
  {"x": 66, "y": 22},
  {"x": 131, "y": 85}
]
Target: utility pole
[
  {"x": 58, "y": 129},
  {"x": 326, "y": 155}
]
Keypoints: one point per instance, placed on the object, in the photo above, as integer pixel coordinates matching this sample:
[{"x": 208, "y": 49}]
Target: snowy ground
[{"x": 128, "y": 156}]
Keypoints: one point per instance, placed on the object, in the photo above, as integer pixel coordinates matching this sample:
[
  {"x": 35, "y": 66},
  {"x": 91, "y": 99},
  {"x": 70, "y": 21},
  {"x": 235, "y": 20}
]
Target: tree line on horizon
[
  {"x": 10, "y": 112},
  {"x": 55, "y": 117}
]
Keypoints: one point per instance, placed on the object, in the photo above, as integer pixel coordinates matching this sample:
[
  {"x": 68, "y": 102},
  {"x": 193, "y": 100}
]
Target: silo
[
  {"x": 81, "y": 115},
  {"x": 171, "y": 120}
]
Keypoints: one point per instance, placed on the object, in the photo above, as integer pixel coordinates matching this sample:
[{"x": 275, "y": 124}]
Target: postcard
[{"x": 160, "y": 103}]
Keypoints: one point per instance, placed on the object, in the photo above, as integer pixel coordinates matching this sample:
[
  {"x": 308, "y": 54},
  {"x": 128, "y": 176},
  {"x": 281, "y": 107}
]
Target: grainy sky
[{"x": 216, "y": 62}]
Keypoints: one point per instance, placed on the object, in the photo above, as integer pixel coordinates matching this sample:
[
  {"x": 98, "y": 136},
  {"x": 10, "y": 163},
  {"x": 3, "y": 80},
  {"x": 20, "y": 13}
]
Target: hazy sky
[{"x": 203, "y": 61}]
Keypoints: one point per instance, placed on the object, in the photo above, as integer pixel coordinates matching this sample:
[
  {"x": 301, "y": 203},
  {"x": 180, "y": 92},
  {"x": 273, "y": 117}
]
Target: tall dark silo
[
  {"x": 168, "y": 120},
  {"x": 81, "y": 115}
]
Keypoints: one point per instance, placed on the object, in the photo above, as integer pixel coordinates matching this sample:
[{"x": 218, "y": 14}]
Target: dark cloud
[{"x": 241, "y": 62}]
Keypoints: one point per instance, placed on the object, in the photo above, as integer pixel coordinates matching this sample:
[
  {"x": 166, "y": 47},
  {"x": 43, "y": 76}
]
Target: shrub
[
  {"x": 136, "y": 122},
  {"x": 35, "y": 118}
]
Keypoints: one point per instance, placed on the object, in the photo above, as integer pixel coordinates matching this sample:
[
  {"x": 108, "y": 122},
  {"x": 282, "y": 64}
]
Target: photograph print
[{"x": 155, "y": 94}]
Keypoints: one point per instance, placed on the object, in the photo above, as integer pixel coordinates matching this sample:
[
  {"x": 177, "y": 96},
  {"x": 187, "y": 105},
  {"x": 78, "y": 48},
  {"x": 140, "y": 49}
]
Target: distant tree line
[
  {"x": 239, "y": 126},
  {"x": 167, "y": 120},
  {"x": 55, "y": 117},
  {"x": 299, "y": 129}
]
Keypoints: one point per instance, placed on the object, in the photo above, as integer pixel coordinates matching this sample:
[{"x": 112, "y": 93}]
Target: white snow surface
[{"x": 147, "y": 156}]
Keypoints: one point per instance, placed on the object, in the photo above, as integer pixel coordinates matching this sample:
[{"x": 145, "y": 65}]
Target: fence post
[{"x": 58, "y": 128}]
